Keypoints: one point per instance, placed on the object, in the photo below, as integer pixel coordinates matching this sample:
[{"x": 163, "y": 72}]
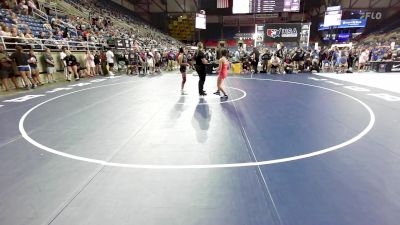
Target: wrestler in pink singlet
[{"x": 223, "y": 73}]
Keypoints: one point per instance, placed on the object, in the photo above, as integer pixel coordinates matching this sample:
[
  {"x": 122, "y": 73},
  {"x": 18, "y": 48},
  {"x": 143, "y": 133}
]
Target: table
[{"x": 385, "y": 67}]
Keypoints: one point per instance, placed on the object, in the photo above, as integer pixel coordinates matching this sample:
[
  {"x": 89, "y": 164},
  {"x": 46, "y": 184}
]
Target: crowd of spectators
[
  {"x": 299, "y": 60},
  {"x": 102, "y": 26}
]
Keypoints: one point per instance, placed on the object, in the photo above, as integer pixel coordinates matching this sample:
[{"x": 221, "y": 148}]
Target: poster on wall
[
  {"x": 305, "y": 35},
  {"x": 282, "y": 32}
]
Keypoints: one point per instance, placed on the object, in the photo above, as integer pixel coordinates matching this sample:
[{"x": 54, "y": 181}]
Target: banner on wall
[
  {"x": 353, "y": 23},
  {"x": 282, "y": 32}
]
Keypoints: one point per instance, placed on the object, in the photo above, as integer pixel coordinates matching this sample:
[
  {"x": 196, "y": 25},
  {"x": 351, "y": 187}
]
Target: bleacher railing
[
  {"x": 40, "y": 14},
  {"x": 69, "y": 26},
  {"x": 40, "y": 44}
]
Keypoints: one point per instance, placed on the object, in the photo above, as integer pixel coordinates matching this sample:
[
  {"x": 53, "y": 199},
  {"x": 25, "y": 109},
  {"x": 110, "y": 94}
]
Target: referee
[{"x": 201, "y": 62}]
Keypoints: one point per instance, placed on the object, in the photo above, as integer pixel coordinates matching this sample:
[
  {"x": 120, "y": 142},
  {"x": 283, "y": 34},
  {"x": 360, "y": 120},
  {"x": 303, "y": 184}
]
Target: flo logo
[{"x": 274, "y": 33}]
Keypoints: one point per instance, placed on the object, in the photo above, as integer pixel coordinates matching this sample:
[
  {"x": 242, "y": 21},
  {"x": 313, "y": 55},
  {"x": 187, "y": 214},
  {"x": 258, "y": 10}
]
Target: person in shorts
[
  {"x": 34, "y": 67},
  {"x": 21, "y": 61},
  {"x": 50, "y": 66},
  {"x": 72, "y": 64},
  {"x": 97, "y": 63},
  {"x": 110, "y": 61},
  {"x": 63, "y": 54}
]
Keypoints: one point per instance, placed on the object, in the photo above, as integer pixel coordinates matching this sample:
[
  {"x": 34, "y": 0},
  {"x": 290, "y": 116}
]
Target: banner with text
[{"x": 282, "y": 32}]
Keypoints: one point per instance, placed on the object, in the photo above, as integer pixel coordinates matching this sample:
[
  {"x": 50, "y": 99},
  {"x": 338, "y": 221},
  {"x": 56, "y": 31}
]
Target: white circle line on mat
[
  {"x": 244, "y": 94},
  {"x": 205, "y": 166}
]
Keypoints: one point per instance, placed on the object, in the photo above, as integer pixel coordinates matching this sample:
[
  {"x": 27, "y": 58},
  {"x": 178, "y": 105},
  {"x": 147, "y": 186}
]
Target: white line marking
[
  {"x": 24, "y": 98},
  {"x": 334, "y": 83},
  {"x": 387, "y": 97},
  {"x": 207, "y": 166},
  {"x": 244, "y": 94},
  {"x": 258, "y": 167},
  {"x": 356, "y": 88}
]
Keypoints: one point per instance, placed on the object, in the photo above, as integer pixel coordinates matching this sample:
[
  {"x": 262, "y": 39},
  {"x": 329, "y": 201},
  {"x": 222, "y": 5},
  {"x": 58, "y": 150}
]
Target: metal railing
[
  {"x": 40, "y": 14},
  {"x": 69, "y": 26},
  {"x": 40, "y": 44}
]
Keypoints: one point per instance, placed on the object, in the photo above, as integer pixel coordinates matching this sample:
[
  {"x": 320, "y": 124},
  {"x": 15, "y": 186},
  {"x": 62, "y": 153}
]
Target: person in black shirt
[
  {"x": 97, "y": 62},
  {"x": 266, "y": 57},
  {"x": 256, "y": 58},
  {"x": 72, "y": 65},
  {"x": 201, "y": 62},
  {"x": 21, "y": 60}
]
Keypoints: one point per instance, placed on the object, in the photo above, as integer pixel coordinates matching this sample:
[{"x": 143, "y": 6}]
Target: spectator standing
[
  {"x": 256, "y": 58},
  {"x": 72, "y": 64},
  {"x": 171, "y": 59},
  {"x": 6, "y": 69},
  {"x": 21, "y": 60},
  {"x": 90, "y": 65},
  {"x": 110, "y": 61},
  {"x": 34, "y": 67},
  {"x": 50, "y": 66},
  {"x": 63, "y": 55},
  {"x": 97, "y": 63}
]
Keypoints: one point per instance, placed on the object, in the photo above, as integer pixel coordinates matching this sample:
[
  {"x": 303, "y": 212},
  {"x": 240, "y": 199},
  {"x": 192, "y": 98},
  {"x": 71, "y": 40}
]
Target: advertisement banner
[
  {"x": 353, "y": 23},
  {"x": 282, "y": 32}
]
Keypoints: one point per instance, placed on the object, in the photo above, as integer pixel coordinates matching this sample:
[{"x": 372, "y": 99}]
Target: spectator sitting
[
  {"x": 246, "y": 66},
  {"x": 4, "y": 4},
  {"x": 14, "y": 18},
  {"x": 23, "y": 8},
  {"x": 4, "y": 31},
  {"x": 28, "y": 34},
  {"x": 42, "y": 35},
  {"x": 47, "y": 26},
  {"x": 342, "y": 63}
]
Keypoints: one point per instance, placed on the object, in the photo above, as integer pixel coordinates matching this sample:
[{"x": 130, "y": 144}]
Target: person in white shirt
[
  {"x": 64, "y": 63},
  {"x": 110, "y": 61},
  {"x": 237, "y": 55}
]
